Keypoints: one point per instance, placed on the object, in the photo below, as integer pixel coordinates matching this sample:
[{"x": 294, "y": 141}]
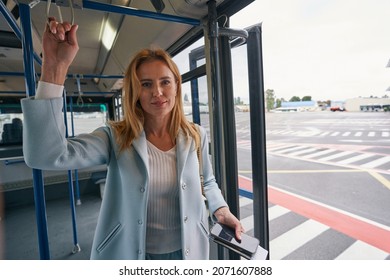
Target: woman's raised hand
[{"x": 60, "y": 47}]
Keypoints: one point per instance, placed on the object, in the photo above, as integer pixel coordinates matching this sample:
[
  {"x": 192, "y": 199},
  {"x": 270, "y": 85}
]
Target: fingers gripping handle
[{"x": 72, "y": 4}]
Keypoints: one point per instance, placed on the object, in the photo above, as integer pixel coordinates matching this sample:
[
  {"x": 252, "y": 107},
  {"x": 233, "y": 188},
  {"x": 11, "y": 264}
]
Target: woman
[{"x": 153, "y": 206}]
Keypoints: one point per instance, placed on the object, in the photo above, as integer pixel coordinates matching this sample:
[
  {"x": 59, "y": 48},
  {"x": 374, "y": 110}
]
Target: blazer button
[
  {"x": 139, "y": 252},
  {"x": 140, "y": 222},
  {"x": 187, "y": 252},
  {"x": 185, "y": 219},
  {"x": 184, "y": 186},
  {"x": 142, "y": 189}
]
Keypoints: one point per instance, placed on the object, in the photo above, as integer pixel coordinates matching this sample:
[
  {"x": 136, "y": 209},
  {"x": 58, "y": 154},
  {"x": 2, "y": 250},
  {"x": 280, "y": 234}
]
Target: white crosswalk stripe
[
  {"x": 338, "y": 155},
  {"x": 331, "y": 155},
  {"x": 308, "y": 133},
  {"x": 290, "y": 241},
  {"x": 244, "y": 201},
  {"x": 276, "y": 211},
  {"x": 376, "y": 163},
  {"x": 278, "y": 146},
  {"x": 355, "y": 158},
  {"x": 290, "y": 149},
  {"x": 300, "y": 235},
  {"x": 304, "y": 151},
  {"x": 350, "y": 121},
  {"x": 362, "y": 251},
  {"x": 320, "y": 153}
]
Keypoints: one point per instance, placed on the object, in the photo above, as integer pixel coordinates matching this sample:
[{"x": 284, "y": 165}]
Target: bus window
[
  {"x": 11, "y": 124},
  {"x": 87, "y": 119}
]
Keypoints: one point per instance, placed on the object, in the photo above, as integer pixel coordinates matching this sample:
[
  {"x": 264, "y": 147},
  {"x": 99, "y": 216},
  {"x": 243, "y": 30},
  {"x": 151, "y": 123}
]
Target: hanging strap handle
[
  {"x": 48, "y": 4},
  {"x": 80, "y": 101}
]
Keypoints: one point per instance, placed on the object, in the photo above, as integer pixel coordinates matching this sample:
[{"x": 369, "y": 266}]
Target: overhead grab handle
[
  {"x": 231, "y": 32},
  {"x": 72, "y": 4},
  {"x": 80, "y": 101},
  {"x": 237, "y": 37}
]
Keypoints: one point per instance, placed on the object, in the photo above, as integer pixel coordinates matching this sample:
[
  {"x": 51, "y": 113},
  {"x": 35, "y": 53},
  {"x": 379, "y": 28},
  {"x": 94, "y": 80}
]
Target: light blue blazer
[{"x": 121, "y": 227}]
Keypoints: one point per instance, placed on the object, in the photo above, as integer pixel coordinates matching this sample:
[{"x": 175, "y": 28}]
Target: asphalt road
[{"x": 339, "y": 161}]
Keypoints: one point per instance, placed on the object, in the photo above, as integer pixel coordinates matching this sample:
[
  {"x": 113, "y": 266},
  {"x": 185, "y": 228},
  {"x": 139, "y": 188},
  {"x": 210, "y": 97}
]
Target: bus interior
[{"x": 110, "y": 32}]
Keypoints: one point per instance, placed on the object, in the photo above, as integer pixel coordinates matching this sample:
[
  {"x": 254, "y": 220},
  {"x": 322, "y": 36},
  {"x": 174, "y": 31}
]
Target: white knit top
[{"x": 163, "y": 234}]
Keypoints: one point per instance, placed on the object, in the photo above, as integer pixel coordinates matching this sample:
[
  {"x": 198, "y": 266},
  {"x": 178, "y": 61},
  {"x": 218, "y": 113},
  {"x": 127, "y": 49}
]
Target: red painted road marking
[{"x": 349, "y": 225}]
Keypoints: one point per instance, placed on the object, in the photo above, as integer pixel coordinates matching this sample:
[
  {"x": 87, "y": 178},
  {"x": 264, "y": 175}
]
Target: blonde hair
[{"x": 132, "y": 124}]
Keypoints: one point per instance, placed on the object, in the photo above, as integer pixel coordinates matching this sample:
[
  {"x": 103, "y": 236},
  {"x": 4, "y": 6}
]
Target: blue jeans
[{"x": 176, "y": 255}]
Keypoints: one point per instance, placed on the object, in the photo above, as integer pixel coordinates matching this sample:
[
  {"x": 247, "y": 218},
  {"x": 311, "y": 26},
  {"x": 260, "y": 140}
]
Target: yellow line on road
[
  {"x": 380, "y": 178},
  {"x": 376, "y": 175},
  {"x": 307, "y": 171}
]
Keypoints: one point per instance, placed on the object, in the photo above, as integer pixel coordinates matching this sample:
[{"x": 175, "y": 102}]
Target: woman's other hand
[{"x": 224, "y": 216}]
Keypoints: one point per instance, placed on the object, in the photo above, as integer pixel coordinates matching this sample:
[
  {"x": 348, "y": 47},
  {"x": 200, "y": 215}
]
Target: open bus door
[{"x": 218, "y": 70}]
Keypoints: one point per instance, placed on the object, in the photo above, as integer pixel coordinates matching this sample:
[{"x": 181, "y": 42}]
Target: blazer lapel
[
  {"x": 141, "y": 148},
  {"x": 183, "y": 146}
]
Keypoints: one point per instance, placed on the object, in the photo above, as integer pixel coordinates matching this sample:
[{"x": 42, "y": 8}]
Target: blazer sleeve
[
  {"x": 45, "y": 145},
  {"x": 213, "y": 193}
]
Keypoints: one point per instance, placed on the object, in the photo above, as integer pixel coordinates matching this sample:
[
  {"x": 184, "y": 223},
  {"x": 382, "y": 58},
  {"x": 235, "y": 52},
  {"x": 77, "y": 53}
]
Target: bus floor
[
  {"x": 21, "y": 234},
  {"x": 315, "y": 241}
]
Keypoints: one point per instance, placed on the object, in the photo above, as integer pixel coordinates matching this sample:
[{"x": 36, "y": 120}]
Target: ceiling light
[{"x": 108, "y": 36}]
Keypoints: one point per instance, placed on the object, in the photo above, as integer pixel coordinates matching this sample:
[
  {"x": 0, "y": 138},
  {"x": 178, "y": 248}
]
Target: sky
[{"x": 327, "y": 49}]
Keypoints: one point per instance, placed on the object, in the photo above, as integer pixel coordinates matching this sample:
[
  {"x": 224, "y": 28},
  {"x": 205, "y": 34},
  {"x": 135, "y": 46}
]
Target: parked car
[{"x": 337, "y": 108}]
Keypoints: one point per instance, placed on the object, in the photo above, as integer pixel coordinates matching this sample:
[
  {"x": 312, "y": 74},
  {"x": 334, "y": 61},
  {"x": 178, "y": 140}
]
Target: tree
[
  {"x": 238, "y": 101},
  {"x": 295, "y": 98},
  {"x": 306, "y": 98},
  {"x": 270, "y": 99},
  {"x": 279, "y": 103}
]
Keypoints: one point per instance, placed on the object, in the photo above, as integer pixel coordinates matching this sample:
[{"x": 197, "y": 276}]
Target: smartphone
[{"x": 225, "y": 235}]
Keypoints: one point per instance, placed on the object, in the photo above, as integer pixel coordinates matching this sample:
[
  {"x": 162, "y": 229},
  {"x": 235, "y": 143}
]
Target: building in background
[
  {"x": 367, "y": 104},
  {"x": 297, "y": 106}
]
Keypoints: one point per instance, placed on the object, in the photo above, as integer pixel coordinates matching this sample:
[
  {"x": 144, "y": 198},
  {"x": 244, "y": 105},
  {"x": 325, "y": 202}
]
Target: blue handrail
[
  {"x": 136, "y": 12},
  {"x": 75, "y": 76},
  {"x": 14, "y": 26},
  {"x": 76, "y": 247},
  {"x": 39, "y": 190}
]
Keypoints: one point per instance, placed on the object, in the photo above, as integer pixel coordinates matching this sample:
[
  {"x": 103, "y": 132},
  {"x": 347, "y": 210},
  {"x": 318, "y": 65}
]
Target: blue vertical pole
[
  {"x": 39, "y": 191},
  {"x": 15, "y": 27},
  {"x": 76, "y": 172},
  {"x": 76, "y": 247}
]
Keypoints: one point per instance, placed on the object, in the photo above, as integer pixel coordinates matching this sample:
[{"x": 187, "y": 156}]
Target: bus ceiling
[{"x": 111, "y": 32}]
